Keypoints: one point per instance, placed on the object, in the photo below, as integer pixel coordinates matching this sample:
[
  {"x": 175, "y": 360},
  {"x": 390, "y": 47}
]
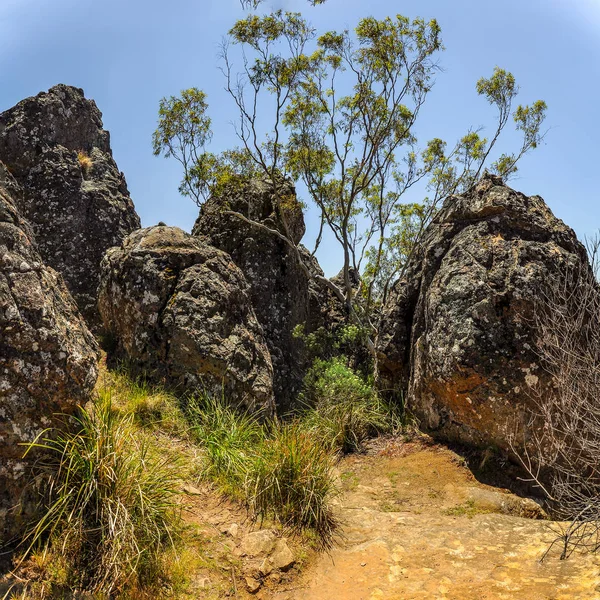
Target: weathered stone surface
[
  {"x": 283, "y": 294},
  {"x": 457, "y": 334},
  {"x": 258, "y": 543},
  {"x": 77, "y": 209},
  {"x": 282, "y": 557},
  {"x": 48, "y": 358},
  {"x": 180, "y": 311}
]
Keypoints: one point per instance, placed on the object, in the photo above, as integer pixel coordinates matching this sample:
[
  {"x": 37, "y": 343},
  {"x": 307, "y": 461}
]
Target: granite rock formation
[
  {"x": 179, "y": 311},
  {"x": 75, "y": 197},
  {"x": 458, "y": 336},
  {"x": 284, "y": 293},
  {"x": 48, "y": 357}
]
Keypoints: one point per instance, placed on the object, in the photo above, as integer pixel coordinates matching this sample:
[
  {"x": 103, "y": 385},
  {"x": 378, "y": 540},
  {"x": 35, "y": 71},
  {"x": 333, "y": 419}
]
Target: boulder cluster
[{"x": 216, "y": 310}]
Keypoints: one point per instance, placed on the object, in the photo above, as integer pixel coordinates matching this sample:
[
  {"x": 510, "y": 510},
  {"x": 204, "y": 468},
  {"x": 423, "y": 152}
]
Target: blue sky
[{"x": 127, "y": 54}]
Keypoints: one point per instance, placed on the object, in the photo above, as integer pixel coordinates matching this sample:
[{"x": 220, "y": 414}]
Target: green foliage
[
  {"x": 230, "y": 439},
  {"x": 337, "y": 111},
  {"x": 149, "y": 405},
  {"x": 254, "y": 4},
  {"x": 183, "y": 131},
  {"x": 324, "y": 343},
  {"x": 112, "y": 502},
  {"x": 279, "y": 470},
  {"x": 343, "y": 410}
]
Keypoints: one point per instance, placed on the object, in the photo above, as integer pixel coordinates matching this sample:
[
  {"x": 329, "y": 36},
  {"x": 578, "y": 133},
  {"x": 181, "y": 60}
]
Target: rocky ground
[{"x": 417, "y": 526}]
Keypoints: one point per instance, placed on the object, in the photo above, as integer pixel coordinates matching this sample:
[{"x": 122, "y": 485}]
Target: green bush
[
  {"x": 341, "y": 408},
  {"x": 111, "y": 504}
]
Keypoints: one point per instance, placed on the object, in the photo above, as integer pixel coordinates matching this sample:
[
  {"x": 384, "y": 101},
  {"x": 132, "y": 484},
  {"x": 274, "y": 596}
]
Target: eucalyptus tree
[{"x": 337, "y": 112}]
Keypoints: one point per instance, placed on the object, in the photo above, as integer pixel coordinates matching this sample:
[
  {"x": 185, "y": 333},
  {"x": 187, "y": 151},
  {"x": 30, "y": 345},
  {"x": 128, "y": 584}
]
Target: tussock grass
[
  {"x": 293, "y": 480},
  {"x": 111, "y": 514},
  {"x": 112, "y": 503},
  {"x": 152, "y": 407},
  {"x": 230, "y": 439},
  {"x": 279, "y": 471},
  {"x": 85, "y": 162}
]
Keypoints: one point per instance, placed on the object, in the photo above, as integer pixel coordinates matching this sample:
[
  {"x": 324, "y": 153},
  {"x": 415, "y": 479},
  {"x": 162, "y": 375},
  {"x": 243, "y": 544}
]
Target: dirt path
[{"x": 419, "y": 526}]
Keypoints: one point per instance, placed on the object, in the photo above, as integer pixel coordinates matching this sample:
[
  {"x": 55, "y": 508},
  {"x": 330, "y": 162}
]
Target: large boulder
[
  {"x": 458, "y": 336},
  {"x": 179, "y": 310},
  {"x": 75, "y": 198},
  {"x": 48, "y": 358},
  {"x": 283, "y": 289}
]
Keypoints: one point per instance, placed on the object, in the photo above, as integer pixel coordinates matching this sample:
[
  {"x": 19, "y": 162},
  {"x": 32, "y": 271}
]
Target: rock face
[
  {"x": 282, "y": 293},
  {"x": 457, "y": 335},
  {"x": 180, "y": 311},
  {"x": 75, "y": 198},
  {"x": 48, "y": 358}
]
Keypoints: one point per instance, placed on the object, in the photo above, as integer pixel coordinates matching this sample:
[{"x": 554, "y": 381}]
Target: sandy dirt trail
[{"x": 419, "y": 526}]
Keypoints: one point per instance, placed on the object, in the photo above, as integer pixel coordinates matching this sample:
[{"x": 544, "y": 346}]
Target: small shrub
[
  {"x": 85, "y": 162},
  {"x": 342, "y": 409},
  {"x": 112, "y": 503}
]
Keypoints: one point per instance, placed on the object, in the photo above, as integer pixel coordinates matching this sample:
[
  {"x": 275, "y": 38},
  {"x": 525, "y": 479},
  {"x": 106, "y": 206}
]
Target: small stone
[
  {"x": 252, "y": 584},
  {"x": 266, "y": 567},
  {"x": 275, "y": 577},
  {"x": 363, "y": 564},
  {"x": 191, "y": 490},
  {"x": 258, "y": 543},
  {"x": 231, "y": 530},
  {"x": 282, "y": 557}
]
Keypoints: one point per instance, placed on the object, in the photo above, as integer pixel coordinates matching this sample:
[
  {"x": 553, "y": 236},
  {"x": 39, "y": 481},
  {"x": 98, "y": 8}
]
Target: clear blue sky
[{"x": 127, "y": 54}]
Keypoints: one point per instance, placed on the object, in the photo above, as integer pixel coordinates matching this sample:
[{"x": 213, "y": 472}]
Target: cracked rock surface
[
  {"x": 179, "y": 310},
  {"x": 74, "y": 195},
  {"x": 283, "y": 294},
  {"x": 457, "y": 337},
  {"x": 48, "y": 357}
]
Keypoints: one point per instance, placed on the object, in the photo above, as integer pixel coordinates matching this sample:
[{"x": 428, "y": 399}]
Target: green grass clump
[
  {"x": 112, "y": 504},
  {"x": 151, "y": 406},
  {"x": 280, "y": 471},
  {"x": 343, "y": 410},
  {"x": 292, "y": 478},
  {"x": 230, "y": 439}
]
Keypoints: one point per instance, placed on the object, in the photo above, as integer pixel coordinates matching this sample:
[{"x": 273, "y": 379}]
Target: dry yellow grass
[{"x": 84, "y": 160}]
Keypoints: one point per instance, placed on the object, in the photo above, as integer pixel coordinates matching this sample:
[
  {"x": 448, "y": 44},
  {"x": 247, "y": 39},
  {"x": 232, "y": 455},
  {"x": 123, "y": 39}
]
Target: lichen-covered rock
[
  {"x": 179, "y": 310},
  {"x": 457, "y": 335},
  {"x": 48, "y": 358},
  {"x": 283, "y": 294},
  {"x": 75, "y": 198}
]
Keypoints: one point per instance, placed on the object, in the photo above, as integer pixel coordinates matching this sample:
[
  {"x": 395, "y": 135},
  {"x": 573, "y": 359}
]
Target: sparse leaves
[
  {"x": 337, "y": 113},
  {"x": 183, "y": 131}
]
